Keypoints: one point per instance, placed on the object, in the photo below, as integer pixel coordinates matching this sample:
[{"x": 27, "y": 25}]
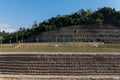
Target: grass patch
[{"x": 60, "y": 47}]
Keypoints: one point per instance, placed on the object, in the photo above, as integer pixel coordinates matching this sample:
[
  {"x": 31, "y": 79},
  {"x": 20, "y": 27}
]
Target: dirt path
[{"x": 116, "y": 53}]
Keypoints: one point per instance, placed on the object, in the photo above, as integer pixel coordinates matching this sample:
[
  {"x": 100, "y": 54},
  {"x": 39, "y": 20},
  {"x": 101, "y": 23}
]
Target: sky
[{"x": 22, "y": 13}]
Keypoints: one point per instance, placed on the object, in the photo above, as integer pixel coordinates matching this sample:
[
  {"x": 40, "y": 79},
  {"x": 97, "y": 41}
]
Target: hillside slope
[
  {"x": 103, "y": 18},
  {"x": 80, "y": 33}
]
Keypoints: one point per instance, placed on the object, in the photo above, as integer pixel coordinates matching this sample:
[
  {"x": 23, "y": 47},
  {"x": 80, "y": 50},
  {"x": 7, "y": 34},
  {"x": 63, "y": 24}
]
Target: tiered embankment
[{"x": 61, "y": 64}]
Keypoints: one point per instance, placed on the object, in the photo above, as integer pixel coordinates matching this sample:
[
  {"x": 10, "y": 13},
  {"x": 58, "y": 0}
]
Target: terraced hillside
[
  {"x": 78, "y": 34},
  {"x": 60, "y": 64}
]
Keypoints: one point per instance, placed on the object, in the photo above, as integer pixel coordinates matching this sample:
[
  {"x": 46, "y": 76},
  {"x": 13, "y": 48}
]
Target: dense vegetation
[{"x": 102, "y": 16}]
